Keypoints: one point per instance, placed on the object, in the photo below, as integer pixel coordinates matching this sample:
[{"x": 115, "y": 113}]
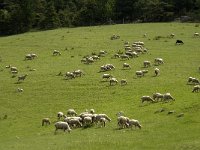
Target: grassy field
[{"x": 45, "y": 94}]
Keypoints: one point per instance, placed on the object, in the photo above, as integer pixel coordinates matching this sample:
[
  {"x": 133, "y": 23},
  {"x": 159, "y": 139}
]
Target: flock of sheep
[{"x": 87, "y": 119}]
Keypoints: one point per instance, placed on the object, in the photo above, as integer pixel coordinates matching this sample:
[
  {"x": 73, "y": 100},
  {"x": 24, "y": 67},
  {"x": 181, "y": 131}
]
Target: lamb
[
  {"x": 139, "y": 73},
  {"x": 63, "y": 126},
  {"x": 34, "y": 56},
  {"x": 126, "y": 65},
  {"x": 28, "y": 57},
  {"x": 179, "y": 42},
  {"x": 134, "y": 122},
  {"x": 96, "y": 118},
  {"x": 123, "y": 82},
  {"x": 124, "y": 56},
  {"x": 156, "y": 71},
  {"x": 78, "y": 73},
  {"x": 172, "y": 35},
  {"x": 71, "y": 112},
  {"x": 158, "y": 61},
  {"x": 102, "y": 53},
  {"x": 113, "y": 81},
  {"x": 22, "y": 77},
  {"x": 60, "y": 115},
  {"x": 107, "y": 76},
  {"x": 13, "y": 69},
  {"x": 167, "y": 96},
  {"x": 56, "y": 52},
  {"x": 46, "y": 121},
  {"x": 147, "y": 64},
  {"x": 196, "y": 88},
  {"x": 147, "y": 98},
  {"x": 74, "y": 122}
]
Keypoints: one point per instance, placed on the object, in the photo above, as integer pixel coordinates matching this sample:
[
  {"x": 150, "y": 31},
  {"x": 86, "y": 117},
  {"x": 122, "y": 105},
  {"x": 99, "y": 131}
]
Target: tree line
[{"x": 18, "y": 16}]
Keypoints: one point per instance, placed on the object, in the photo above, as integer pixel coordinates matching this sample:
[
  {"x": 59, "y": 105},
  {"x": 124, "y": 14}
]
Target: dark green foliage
[{"x": 18, "y": 16}]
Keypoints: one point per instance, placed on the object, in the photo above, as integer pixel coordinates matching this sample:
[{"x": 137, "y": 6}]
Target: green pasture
[{"x": 45, "y": 93}]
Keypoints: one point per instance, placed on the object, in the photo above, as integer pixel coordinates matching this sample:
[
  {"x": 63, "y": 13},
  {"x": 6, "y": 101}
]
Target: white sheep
[
  {"x": 13, "y": 69},
  {"x": 123, "y": 81},
  {"x": 196, "y": 88},
  {"x": 134, "y": 122},
  {"x": 106, "y": 76},
  {"x": 28, "y": 57},
  {"x": 56, "y": 52},
  {"x": 147, "y": 98},
  {"x": 172, "y": 35},
  {"x": 78, "y": 73},
  {"x": 139, "y": 73},
  {"x": 70, "y": 75},
  {"x": 167, "y": 96},
  {"x": 157, "y": 96},
  {"x": 147, "y": 64},
  {"x": 71, "y": 112},
  {"x": 122, "y": 122},
  {"x": 60, "y": 115},
  {"x": 126, "y": 65},
  {"x": 20, "y": 90},
  {"x": 124, "y": 56},
  {"x": 156, "y": 71},
  {"x": 113, "y": 81},
  {"x": 196, "y": 34},
  {"x": 193, "y": 80},
  {"x": 158, "y": 61},
  {"x": 34, "y": 55},
  {"x": 87, "y": 120},
  {"x": 46, "y": 121},
  {"x": 96, "y": 117},
  {"x": 73, "y": 122},
  {"x": 63, "y": 126}
]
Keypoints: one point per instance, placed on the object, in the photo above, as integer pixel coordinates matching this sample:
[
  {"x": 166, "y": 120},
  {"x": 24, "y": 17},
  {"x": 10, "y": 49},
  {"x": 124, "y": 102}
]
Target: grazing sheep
[
  {"x": 147, "y": 98},
  {"x": 193, "y": 80},
  {"x": 78, "y": 73},
  {"x": 70, "y": 75},
  {"x": 156, "y": 71},
  {"x": 196, "y": 34},
  {"x": 71, "y": 112},
  {"x": 46, "y": 121},
  {"x": 134, "y": 122},
  {"x": 95, "y": 57},
  {"x": 116, "y": 56},
  {"x": 92, "y": 111},
  {"x": 9, "y": 66},
  {"x": 158, "y": 61},
  {"x": 34, "y": 56},
  {"x": 132, "y": 54},
  {"x": 96, "y": 118},
  {"x": 14, "y": 72},
  {"x": 28, "y": 57},
  {"x": 107, "y": 76},
  {"x": 122, "y": 122},
  {"x": 167, "y": 96},
  {"x": 196, "y": 88},
  {"x": 22, "y": 77},
  {"x": 63, "y": 126},
  {"x": 157, "y": 96},
  {"x": 20, "y": 90},
  {"x": 74, "y": 122},
  {"x": 123, "y": 82},
  {"x": 102, "y": 53},
  {"x": 179, "y": 42},
  {"x": 89, "y": 60},
  {"x": 56, "y": 52},
  {"x": 124, "y": 57},
  {"x": 139, "y": 73},
  {"x": 147, "y": 64},
  {"x": 60, "y": 115},
  {"x": 145, "y": 71},
  {"x": 172, "y": 35},
  {"x": 87, "y": 120},
  {"x": 102, "y": 122},
  {"x": 13, "y": 69},
  {"x": 113, "y": 81},
  {"x": 126, "y": 65}
]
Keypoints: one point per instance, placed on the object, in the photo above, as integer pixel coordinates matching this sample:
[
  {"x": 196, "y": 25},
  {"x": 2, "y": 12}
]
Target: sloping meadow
[{"x": 47, "y": 91}]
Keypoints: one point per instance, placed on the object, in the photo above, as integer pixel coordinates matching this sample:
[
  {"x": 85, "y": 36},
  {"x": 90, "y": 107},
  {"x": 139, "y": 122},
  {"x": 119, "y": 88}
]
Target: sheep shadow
[{"x": 18, "y": 82}]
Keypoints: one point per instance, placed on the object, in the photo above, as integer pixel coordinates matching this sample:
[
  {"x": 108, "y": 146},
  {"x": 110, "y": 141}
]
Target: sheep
[
  {"x": 14, "y": 72},
  {"x": 22, "y": 77},
  {"x": 167, "y": 96},
  {"x": 70, "y": 75},
  {"x": 78, "y": 73},
  {"x": 102, "y": 53},
  {"x": 132, "y": 54},
  {"x": 145, "y": 71},
  {"x": 60, "y": 115},
  {"x": 156, "y": 71},
  {"x": 87, "y": 120},
  {"x": 73, "y": 122},
  {"x": 106, "y": 76},
  {"x": 96, "y": 117},
  {"x": 89, "y": 60},
  {"x": 95, "y": 57},
  {"x": 9, "y": 66},
  {"x": 124, "y": 57},
  {"x": 172, "y": 35},
  {"x": 113, "y": 81},
  {"x": 158, "y": 61},
  {"x": 147, "y": 64},
  {"x": 196, "y": 88},
  {"x": 139, "y": 73},
  {"x": 62, "y": 125},
  {"x": 103, "y": 122},
  {"x": 28, "y": 57},
  {"x": 56, "y": 52},
  {"x": 122, "y": 122},
  {"x": 123, "y": 82},
  {"x": 134, "y": 122},
  {"x": 196, "y": 34},
  {"x": 46, "y": 121},
  {"x": 157, "y": 96},
  {"x": 92, "y": 111},
  {"x": 193, "y": 80},
  {"x": 13, "y": 69},
  {"x": 71, "y": 112},
  {"x": 20, "y": 90},
  {"x": 110, "y": 66},
  {"x": 126, "y": 65},
  {"x": 34, "y": 56},
  {"x": 116, "y": 56},
  {"x": 179, "y": 42},
  {"x": 147, "y": 98}
]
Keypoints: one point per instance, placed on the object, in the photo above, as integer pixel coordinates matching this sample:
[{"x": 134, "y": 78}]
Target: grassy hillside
[{"x": 45, "y": 93}]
